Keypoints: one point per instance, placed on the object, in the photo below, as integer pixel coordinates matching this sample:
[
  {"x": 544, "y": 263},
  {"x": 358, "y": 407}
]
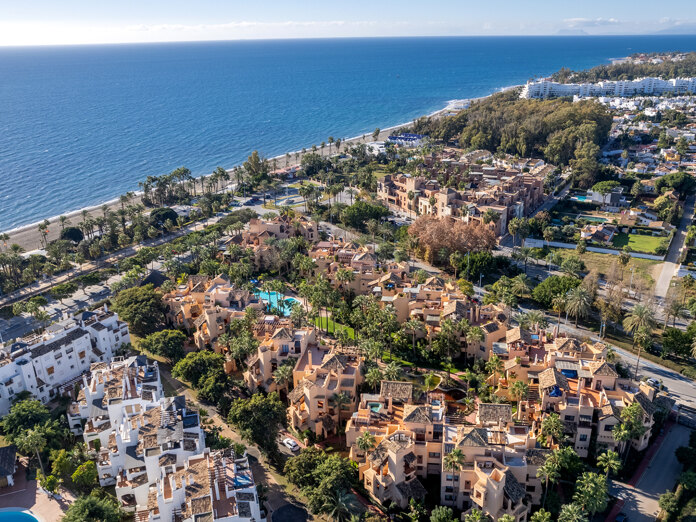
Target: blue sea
[{"x": 81, "y": 125}]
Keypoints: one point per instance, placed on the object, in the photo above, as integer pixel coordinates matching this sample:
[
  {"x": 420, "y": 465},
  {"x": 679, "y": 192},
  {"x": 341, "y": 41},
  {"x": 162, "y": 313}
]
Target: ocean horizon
[{"x": 80, "y": 125}]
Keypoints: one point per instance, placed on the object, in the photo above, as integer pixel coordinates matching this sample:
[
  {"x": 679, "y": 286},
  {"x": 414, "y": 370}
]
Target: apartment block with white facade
[
  {"x": 642, "y": 86},
  {"x": 48, "y": 364}
]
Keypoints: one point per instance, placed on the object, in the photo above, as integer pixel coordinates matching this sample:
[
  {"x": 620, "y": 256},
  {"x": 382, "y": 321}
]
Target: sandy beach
[{"x": 28, "y": 236}]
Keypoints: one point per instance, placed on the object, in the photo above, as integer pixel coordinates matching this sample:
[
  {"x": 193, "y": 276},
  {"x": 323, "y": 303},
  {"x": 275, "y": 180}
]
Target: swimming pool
[
  {"x": 592, "y": 218},
  {"x": 375, "y": 406},
  {"x": 279, "y": 301},
  {"x": 17, "y": 515}
]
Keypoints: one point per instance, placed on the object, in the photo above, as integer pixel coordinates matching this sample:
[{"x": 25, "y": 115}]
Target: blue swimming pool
[
  {"x": 279, "y": 301},
  {"x": 16, "y": 516},
  {"x": 375, "y": 406}
]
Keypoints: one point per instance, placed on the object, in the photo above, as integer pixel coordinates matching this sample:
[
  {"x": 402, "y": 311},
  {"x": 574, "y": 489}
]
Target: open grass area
[
  {"x": 327, "y": 324},
  {"x": 602, "y": 264},
  {"x": 638, "y": 242}
]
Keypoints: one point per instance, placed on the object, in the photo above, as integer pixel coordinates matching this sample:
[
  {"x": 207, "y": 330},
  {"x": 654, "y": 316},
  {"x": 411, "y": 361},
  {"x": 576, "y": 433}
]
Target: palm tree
[
  {"x": 622, "y": 434},
  {"x": 283, "y": 376},
  {"x": 414, "y": 325},
  {"x": 552, "y": 427},
  {"x": 373, "y": 377},
  {"x": 609, "y": 462},
  {"x": 33, "y": 441},
  {"x": 454, "y": 460},
  {"x": 339, "y": 400},
  {"x": 392, "y": 371},
  {"x": 455, "y": 259},
  {"x": 541, "y": 516},
  {"x": 475, "y": 516},
  {"x": 474, "y": 335},
  {"x": 572, "y": 513},
  {"x": 344, "y": 275},
  {"x": 337, "y": 508},
  {"x": 366, "y": 441},
  {"x": 558, "y": 304},
  {"x": 641, "y": 319},
  {"x": 579, "y": 303},
  {"x": 548, "y": 472},
  {"x": 494, "y": 366},
  {"x": 518, "y": 390},
  {"x": 430, "y": 381}
]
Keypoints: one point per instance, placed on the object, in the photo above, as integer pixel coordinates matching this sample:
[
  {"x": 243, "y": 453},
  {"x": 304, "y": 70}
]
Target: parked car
[
  {"x": 621, "y": 517},
  {"x": 291, "y": 444}
]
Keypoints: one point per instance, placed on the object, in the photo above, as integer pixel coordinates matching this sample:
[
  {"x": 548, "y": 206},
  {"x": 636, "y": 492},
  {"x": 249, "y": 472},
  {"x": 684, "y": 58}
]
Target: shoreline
[{"x": 28, "y": 238}]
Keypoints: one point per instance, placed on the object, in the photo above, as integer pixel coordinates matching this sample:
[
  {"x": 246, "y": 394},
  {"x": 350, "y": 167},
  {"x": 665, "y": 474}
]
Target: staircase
[{"x": 533, "y": 393}]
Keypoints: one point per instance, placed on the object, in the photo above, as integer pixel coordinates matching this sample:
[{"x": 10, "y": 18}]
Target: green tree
[
  {"x": 63, "y": 464},
  {"x": 609, "y": 462},
  {"x": 591, "y": 492},
  {"x": 90, "y": 508},
  {"x": 86, "y": 475},
  {"x": 572, "y": 513},
  {"x": 259, "y": 419},
  {"x": 22, "y": 417},
  {"x": 454, "y": 460},
  {"x": 518, "y": 390},
  {"x": 141, "y": 307},
  {"x": 442, "y": 514},
  {"x": 373, "y": 377},
  {"x": 33, "y": 441},
  {"x": 167, "y": 343},
  {"x": 337, "y": 506},
  {"x": 541, "y": 516},
  {"x": 50, "y": 483},
  {"x": 549, "y": 471},
  {"x": 366, "y": 441},
  {"x": 669, "y": 502},
  {"x": 552, "y": 427},
  {"x": 579, "y": 303}
]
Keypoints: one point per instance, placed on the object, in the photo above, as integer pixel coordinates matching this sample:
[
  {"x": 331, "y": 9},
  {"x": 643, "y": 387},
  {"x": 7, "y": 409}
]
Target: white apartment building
[
  {"x": 152, "y": 449},
  {"x": 642, "y": 86},
  {"x": 49, "y": 363}
]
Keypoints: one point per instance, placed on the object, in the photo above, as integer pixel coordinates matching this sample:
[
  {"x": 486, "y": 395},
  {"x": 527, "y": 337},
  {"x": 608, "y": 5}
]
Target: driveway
[{"x": 640, "y": 502}]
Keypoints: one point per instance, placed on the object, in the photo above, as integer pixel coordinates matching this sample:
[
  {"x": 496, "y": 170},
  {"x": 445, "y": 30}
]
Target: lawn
[
  {"x": 638, "y": 242},
  {"x": 328, "y": 323},
  {"x": 603, "y": 262}
]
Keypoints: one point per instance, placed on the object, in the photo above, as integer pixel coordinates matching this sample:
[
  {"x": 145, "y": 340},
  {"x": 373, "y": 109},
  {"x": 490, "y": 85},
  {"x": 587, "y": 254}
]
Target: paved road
[
  {"x": 660, "y": 476},
  {"x": 671, "y": 264}
]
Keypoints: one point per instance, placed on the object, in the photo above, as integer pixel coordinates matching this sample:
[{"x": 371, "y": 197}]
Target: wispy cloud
[{"x": 590, "y": 22}]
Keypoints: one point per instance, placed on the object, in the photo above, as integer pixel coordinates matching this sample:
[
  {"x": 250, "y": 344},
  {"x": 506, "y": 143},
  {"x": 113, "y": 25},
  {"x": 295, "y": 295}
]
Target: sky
[{"x": 53, "y": 22}]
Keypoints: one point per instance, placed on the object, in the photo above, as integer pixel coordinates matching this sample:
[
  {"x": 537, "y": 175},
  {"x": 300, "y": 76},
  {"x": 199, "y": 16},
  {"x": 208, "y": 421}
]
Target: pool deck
[{"x": 25, "y": 494}]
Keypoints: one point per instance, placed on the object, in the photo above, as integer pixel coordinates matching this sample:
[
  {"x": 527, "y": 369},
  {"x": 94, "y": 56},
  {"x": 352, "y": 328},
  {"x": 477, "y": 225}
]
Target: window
[
  {"x": 609, "y": 427},
  {"x": 50, "y": 370},
  {"x": 434, "y": 455},
  {"x": 81, "y": 355},
  {"x": 569, "y": 417},
  {"x": 583, "y": 437}
]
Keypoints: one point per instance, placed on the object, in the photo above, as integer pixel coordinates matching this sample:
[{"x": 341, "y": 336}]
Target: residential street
[
  {"x": 640, "y": 502},
  {"x": 671, "y": 264}
]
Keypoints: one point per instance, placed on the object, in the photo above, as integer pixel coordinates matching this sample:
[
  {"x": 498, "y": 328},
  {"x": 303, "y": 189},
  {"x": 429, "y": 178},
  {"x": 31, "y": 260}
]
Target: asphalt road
[
  {"x": 660, "y": 475},
  {"x": 671, "y": 264}
]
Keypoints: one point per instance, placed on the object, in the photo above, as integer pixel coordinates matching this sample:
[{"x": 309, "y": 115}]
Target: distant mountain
[
  {"x": 679, "y": 29},
  {"x": 571, "y": 32}
]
